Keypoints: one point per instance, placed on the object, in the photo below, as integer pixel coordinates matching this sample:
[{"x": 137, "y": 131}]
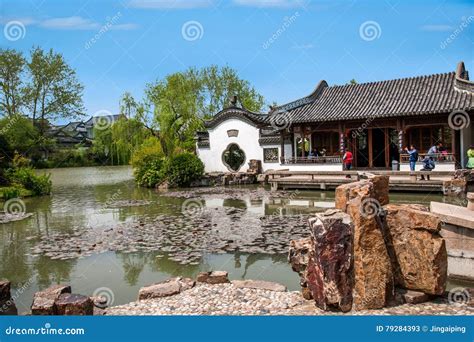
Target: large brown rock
[
  {"x": 298, "y": 257},
  {"x": 329, "y": 273},
  {"x": 166, "y": 288},
  {"x": 44, "y": 302},
  {"x": 379, "y": 190},
  {"x": 214, "y": 277},
  {"x": 343, "y": 193},
  {"x": 298, "y": 254},
  {"x": 7, "y": 304},
  {"x": 373, "y": 278},
  {"x": 74, "y": 305},
  {"x": 419, "y": 256},
  {"x": 5, "y": 290}
]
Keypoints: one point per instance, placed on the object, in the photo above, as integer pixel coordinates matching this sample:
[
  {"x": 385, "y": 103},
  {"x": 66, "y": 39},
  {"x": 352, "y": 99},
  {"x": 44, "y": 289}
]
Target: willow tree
[
  {"x": 118, "y": 142},
  {"x": 181, "y": 101}
]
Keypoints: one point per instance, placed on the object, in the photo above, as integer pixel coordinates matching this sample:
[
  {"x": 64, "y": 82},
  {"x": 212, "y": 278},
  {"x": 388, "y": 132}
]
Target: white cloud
[
  {"x": 437, "y": 28},
  {"x": 69, "y": 23},
  {"x": 170, "y": 4},
  {"x": 272, "y": 3}
]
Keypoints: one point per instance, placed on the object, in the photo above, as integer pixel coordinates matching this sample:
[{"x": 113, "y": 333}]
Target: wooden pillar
[
  {"x": 342, "y": 148},
  {"x": 387, "y": 147},
  {"x": 282, "y": 147},
  {"x": 371, "y": 149},
  {"x": 453, "y": 147},
  {"x": 303, "y": 137}
]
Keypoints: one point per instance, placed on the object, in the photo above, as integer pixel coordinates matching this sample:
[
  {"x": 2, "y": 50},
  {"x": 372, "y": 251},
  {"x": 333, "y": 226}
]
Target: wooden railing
[
  {"x": 313, "y": 160},
  {"x": 438, "y": 157}
]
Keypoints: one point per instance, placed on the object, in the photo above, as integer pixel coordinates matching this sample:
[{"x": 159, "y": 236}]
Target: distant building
[
  {"x": 375, "y": 121},
  {"x": 80, "y": 132}
]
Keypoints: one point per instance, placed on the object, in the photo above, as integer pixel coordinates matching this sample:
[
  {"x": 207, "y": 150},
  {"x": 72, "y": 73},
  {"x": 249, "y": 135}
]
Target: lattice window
[{"x": 270, "y": 155}]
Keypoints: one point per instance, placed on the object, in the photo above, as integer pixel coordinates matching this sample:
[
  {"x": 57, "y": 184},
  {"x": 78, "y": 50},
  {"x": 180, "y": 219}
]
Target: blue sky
[{"x": 283, "y": 47}]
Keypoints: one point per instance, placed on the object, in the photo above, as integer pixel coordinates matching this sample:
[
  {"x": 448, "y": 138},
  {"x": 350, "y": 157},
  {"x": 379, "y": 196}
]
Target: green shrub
[
  {"x": 24, "y": 176},
  {"x": 10, "y": 192},
  {"x": 151, "y": 173},
  {"x": 182, "y": 169}
]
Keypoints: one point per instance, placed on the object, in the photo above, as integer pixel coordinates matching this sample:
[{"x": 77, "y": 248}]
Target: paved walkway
[{"x": 227, "y": 299}]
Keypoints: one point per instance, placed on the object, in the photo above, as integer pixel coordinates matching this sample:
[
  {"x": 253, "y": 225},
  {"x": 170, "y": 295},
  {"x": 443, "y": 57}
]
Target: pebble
[{"x": 227, "y": 299}]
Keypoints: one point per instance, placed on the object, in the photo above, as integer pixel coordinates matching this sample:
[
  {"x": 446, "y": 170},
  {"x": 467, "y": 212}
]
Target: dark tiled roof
[
  {"x": 270, "y": 140},
  {"x": 236, "y": 112},
  {"x": 439, "y": 93}
]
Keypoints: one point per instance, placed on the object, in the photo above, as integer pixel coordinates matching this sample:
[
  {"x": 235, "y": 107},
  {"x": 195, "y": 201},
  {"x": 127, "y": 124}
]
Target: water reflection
[{"x": 81, "y": 198}]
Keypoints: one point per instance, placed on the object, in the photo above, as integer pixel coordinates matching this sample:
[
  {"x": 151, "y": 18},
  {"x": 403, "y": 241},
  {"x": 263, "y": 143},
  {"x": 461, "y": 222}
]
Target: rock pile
[
  {"x": 7, "y": 305},
  {"x": 359, "y": 253},
  {"x": 58, "y": 300}
]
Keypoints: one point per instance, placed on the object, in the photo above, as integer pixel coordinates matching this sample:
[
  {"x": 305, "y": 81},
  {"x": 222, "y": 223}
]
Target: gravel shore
[{"x": 227, "y": 299}]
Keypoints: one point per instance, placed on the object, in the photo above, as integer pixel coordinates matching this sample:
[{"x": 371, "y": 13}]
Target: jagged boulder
[
  {"x": 419, "y": 256},
  {"x": 7, "y": 304},
  {"x": 70, "y": 304},
  {"x": 44, "y": 302},
  {"x": 373, "y": 277},
  {"x": 298, "y": 257},
  {"x": 329, "y": 274}
]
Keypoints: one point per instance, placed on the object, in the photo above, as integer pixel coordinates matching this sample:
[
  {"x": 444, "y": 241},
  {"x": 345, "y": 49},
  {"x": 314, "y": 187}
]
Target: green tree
[
  {"x": 12, "y": 65},
  {"x": 352, "y": 81},
  {"x": 19, "y": 133},
  {"x": 54, "y": 90},
  {"x": 181, "y": 101},
  {"x": 119, "y": 141}
]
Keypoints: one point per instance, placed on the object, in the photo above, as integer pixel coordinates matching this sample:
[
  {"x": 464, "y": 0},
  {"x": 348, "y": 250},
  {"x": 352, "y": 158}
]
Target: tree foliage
[
  {"x": 12, "y": 66},
  {"x": 181, "y": 101},
  {"x": 54, "y": 90}
]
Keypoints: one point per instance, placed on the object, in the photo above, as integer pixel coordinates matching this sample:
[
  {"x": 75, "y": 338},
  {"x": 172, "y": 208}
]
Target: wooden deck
[{"x": 399, "y": 180}]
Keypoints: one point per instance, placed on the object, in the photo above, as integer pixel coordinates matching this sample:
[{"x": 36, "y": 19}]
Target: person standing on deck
[
  {"x": 413, "y": 153},
  {"x": 470, "y": 157},
  {"x": 347, "y": 160}
]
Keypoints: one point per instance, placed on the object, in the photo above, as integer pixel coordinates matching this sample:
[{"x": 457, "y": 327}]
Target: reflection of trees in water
[
  {"x": 251, "y": 259},
  {"x": 133, "y": 265},
  {"x": 14, "y": 264},
  {"x": 235, "y": 203},
  {"x": 51, "y": 272},
  {"x": 173, "y": 268}
]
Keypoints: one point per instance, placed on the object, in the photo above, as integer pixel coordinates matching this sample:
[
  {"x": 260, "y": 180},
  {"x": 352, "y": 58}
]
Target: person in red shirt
[{"x": 347, "y": 160}]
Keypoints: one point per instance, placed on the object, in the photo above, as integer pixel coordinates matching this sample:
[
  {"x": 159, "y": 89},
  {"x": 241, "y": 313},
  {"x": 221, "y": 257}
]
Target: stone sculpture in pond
[{"x": 366, "y": 254}]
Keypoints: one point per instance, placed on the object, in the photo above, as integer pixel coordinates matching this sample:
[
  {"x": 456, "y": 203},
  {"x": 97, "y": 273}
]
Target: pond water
[{"x": 81, "y": 200}]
